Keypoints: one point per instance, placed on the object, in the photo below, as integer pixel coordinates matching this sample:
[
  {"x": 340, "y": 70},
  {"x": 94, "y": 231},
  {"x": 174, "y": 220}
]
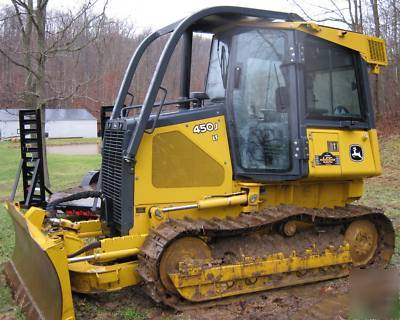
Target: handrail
[
  {"x": 157, "y": 104},
  {"x": 133, "y": 64},
  {"x": 165, "y": 91}
]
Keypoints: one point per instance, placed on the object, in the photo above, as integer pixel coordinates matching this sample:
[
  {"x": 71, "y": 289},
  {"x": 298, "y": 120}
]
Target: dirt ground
[{"x": 325, "y": 300}]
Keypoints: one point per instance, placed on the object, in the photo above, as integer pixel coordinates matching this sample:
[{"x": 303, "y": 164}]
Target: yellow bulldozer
[{"x": 245, "y": 187}]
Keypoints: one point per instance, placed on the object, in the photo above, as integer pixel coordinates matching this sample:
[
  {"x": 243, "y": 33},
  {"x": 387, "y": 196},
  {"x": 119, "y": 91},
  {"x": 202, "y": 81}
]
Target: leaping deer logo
[{"x": 356, "y": 152}]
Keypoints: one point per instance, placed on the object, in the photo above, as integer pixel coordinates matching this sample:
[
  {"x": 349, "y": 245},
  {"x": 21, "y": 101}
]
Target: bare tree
[
  {"x": 70, "y": 34},
  {"x": 377, "y": 32},
  {"x": 347, "y": 12}
]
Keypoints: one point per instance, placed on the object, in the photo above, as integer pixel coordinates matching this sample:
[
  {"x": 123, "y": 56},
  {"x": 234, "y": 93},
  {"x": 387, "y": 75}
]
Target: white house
[
  {"x": 9, "y": 126},
  {"x": 70, "y": 123},
  {"x": 60, "y": 123}
]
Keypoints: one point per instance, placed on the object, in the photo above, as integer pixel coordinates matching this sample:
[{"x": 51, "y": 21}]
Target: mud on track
[{"x": 324, "y": 300}]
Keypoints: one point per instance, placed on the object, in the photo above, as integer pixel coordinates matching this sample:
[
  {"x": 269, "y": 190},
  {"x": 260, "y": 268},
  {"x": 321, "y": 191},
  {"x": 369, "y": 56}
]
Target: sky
[{"x": 155, "y": 14}]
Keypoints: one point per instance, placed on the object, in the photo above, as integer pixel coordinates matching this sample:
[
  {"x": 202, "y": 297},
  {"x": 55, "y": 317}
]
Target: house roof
[{"x": 51, "y": 114}]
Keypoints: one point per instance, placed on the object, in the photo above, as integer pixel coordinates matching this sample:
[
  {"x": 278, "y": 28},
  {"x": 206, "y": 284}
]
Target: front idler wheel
[{"x": 187, "y": 250}]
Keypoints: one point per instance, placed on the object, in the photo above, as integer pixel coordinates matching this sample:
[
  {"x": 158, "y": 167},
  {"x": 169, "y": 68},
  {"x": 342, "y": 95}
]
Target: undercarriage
[{"x": 188, "y": 260}]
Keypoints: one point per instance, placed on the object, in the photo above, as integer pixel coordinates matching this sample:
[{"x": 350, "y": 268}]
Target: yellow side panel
[
  {"x": 373, "y": 137},
  {"x": 178, "y": 164},
  {"x": 313, "y": 194},
  {"x": 318, "y": 145},
  {"x": 365, "y": 168},
  {"x": 345, "y": 166}
]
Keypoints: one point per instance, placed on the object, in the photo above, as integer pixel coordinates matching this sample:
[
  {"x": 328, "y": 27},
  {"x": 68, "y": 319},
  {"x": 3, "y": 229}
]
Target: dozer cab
[{"x": 246, "y": 187}]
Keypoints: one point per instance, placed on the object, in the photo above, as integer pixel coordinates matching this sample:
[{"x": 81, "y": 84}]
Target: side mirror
[
  {"x": 236, "y": 77},
  {"x": 282, "y": 99}
]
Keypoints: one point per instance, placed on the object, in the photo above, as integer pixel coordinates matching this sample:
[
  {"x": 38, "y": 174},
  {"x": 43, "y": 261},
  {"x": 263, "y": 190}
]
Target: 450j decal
[{"x": 205, "y": 127}]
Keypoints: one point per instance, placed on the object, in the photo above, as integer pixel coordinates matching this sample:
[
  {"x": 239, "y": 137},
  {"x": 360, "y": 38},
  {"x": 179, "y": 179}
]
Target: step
[
  {"x": 26, "y": 112},
  {"x": 31, "y": 140},
  {"x": 29, "y": 131},
  {"x": 29, "y": 121},
  {"x": 27, "y": 149}
]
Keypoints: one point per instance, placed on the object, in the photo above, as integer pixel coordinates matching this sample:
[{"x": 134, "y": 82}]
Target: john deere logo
[
  {"x": 327, "y": 159},
  {"x": 356, "y": 152}
]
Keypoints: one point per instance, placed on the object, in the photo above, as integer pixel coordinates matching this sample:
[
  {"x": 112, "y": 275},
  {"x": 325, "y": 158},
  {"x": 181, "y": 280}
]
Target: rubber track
[{"x": 161, "y": 237}]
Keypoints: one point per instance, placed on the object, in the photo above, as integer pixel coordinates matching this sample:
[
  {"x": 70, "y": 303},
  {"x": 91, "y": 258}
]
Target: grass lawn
[
  {"x": 384, "y": 191},
  {"x": 67, "y": 171}
]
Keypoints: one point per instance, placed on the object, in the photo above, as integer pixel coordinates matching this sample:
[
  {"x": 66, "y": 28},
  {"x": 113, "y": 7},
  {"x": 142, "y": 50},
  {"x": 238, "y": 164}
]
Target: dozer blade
[{"x": 38, "y": 270}]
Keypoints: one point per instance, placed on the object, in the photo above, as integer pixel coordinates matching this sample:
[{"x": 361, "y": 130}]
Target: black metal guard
[
  {"x": 32, "y": 158},
  {"x": 16, "y": 181},
  {"x": 106, "y": 112}
]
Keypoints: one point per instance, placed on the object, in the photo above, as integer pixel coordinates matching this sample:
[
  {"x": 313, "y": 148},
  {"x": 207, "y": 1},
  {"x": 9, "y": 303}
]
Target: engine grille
[
  {"x": 112, "y": 172},
  {"x": 377, "y": 51}
]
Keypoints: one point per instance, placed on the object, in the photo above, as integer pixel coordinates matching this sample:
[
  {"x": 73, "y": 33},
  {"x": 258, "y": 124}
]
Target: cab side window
[{"x": 330, "y": 81}]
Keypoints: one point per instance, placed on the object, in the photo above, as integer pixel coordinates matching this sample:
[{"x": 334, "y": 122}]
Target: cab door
[{"x": 263, "y": 107}]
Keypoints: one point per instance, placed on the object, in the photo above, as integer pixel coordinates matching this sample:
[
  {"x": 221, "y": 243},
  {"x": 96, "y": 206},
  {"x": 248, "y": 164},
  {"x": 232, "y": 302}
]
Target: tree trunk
[
  {"x": 396, "y": 57},
  {"x": 67, "y": 33},
  {"x": 361, "y": 17},
  {"x": 375, "y": 12},
  {"x": 41, "y": 80}
]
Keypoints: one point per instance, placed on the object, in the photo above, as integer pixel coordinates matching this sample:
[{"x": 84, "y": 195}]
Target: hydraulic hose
[
  {"x": 76, "y": 196},
  {"x": 90, "y": 246}
]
